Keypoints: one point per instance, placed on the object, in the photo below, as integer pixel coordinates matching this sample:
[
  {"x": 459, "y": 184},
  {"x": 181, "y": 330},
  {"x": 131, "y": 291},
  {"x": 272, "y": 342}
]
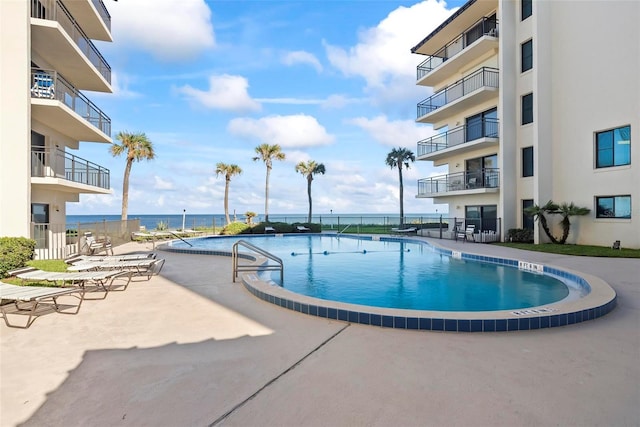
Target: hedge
[{"x": 15, "y": 252}]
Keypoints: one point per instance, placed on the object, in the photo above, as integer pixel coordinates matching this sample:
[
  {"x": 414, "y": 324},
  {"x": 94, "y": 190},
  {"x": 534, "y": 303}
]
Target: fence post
[{"x": 440, "y": 227}]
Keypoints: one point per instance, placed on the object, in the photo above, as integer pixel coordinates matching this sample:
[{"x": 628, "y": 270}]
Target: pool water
[{"x": 396, "y": 274}]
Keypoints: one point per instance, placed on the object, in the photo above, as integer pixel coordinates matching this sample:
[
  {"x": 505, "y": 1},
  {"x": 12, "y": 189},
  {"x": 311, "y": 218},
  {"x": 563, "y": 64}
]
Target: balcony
[
  {"x": 460, "y": 183},
  {"x": 474, "y": 89},
  {"x": 93, "y": 16},
  {"x": 66, "y": 172},
  {"x": 59, "y": 40},
  {"x": 473, "y": 43},
  {"x": 474, "y": 135},
  {"x": 57, "y": 104}
]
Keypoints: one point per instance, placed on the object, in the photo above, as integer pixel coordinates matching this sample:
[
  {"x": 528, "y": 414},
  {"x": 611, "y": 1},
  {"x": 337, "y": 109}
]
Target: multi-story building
[
  {"x": 47, "y": 59},
  {"x": 536, "y": 101}
]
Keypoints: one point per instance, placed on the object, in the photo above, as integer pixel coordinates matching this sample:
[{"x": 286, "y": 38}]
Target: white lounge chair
[
  {"x": 467, "y": 234},
  {"x": 102, "y": 280},
  {"x": 94, "y": 246},
  {"x": 27, "y": 299},
  {"x": 77, "y": 259},
  {"x": 302, "y": 229},
  {"x": 141, "y": 267},
  {"x": 407, "y": 230},
  {"x": 268, "y": 230}
]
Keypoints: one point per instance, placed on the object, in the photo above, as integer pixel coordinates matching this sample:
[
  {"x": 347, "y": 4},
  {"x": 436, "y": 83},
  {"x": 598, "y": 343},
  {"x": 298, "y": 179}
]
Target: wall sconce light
[
  {"x": 457, "y": 165},
  {"x": 458, "y": 207},
  {"x": 57, "y": 208}
]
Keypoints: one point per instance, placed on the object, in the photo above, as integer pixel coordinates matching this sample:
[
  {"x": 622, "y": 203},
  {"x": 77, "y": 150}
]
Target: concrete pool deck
[{"x": 192, "y": 348}]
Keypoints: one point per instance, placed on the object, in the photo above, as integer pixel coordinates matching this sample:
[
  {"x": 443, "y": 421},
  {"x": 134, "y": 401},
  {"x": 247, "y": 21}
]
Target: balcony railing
[
  {"x": 57, "y": 163},
  {"x": 103, "y": 12},
  {"x": 484, "y": 77},
  {"x": 487, "y": 128},
  {"x": 53, "y": 10},
  {"x": 484, "y": 27},
  {"x": 48, "y": 84},
  {"x": 470, "y": 180}
]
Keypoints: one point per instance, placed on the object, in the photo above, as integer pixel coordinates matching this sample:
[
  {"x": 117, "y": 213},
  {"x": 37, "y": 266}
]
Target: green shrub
[
  {"x": 162, "y": 226},
  {"x": 520, "y": 235},
  {"x": 15, "y": 252},
  {"x": 236, "y": 228}
]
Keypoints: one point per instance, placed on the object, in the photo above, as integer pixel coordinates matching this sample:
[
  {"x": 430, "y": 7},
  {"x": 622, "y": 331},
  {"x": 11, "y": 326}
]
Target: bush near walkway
[{"x": 15, "y": 252}]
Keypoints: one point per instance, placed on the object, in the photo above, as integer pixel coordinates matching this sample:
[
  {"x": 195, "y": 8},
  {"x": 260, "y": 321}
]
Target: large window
[
  {"x": 527, "y": 161},
  {"x": 527, "y": 109},
  {"x": 527, "y": 220},
  {"x": 483, "y": 217},
  {"x": 613, "y": 147},
  {"x": 526, "y": 50},
  {"x": 527, "y": 8},
  {"x": 482, "y": 125},
  {"x": 613, "y": 207}
]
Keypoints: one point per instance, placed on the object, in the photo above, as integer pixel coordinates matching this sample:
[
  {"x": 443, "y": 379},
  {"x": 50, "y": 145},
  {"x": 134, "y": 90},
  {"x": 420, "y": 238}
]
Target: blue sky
[{"x": 208, "y": 81}]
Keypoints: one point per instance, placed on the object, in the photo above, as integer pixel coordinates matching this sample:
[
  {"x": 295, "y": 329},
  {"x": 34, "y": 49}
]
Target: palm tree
[
  {"x": 538, "y": 213},
  {"x": 138, "y": 147},
  {"x": 267, "y": 153},
  {"x": 310, "y": 169},
  {"x": 567, "y": 210},
  {"x": 228, "y": 171},
  {"x": 396, "y": 158}
]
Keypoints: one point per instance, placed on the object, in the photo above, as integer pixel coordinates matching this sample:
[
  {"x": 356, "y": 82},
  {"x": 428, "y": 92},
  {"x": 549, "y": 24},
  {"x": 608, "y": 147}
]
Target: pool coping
[{"x": 600, "y": 300}]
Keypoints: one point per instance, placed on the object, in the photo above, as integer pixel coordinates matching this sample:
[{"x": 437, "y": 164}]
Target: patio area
[{"x": 189, "y": 347}]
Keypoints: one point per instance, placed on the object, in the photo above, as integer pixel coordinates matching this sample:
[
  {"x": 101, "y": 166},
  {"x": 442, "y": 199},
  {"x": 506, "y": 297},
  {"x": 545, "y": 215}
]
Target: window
[
  {"x": 482, "y": 125},
  {"x": 613, "y": 147},
  {"x": 613, "y": 207},
  {"x": 527, "y": 109},
  {"x": 482, "y": 172},
  {"x": 484, "y": 217},
  {"x": 527, "y": 220},
  {"x": 527, "y": 9},
  {"x": 527, "y": 161},
  {"x": 526, "y": 50}
]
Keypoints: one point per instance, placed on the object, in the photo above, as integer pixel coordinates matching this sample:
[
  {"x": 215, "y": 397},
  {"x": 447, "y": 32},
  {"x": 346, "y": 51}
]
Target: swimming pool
[
  {"x": 398, "y": 274},
  {"x": 585, "y": 298}
]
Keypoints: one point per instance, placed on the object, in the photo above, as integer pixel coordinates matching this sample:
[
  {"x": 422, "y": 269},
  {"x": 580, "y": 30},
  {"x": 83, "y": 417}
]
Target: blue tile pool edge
[{"x": 483, "y": 323}]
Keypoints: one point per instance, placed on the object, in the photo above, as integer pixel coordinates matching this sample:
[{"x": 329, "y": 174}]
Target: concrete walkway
[{"x": 190, "y": 348}]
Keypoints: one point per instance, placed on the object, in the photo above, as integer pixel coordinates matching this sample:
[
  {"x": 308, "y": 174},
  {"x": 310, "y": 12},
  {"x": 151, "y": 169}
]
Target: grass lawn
[
  {"x": 56, "y": 265},
  {"x": 578, "y": 250}
]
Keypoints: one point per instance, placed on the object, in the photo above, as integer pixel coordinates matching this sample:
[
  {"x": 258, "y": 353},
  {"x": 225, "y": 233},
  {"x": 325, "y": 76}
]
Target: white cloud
[
  {"x": 161, "y": 184},
  {"x": 301, "y": 57},
  {"x": 297, "y": 130},
  {"x": 171, "y": 30},
  {"x": 397, "y": 133},
  {"x": 383, "y": 55},
  {"x": 225, "y": 92}
]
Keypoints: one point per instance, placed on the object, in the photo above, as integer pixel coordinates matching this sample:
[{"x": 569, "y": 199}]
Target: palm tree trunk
[
  {"x": 266, "y": 196},
  {"x": 125, "y": 189},
  {"x": 309, "y": 179},
  {"x": 226, "y": 201},
  {"x": 401, "y": 195},
  {"x": 566, "y": 225},
  {"x": 545, "y": 227}
]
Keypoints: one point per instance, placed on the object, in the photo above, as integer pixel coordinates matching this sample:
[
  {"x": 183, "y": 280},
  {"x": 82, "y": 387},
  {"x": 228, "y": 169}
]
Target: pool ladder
[
  {"x": 237, "y": 267},
  {"x": 342, "y": 231}
]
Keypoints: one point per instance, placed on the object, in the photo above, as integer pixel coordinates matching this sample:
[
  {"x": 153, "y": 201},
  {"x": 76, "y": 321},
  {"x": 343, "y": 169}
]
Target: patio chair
[
  {"x": 408, "y": 230},
  {"x": 43, "y": 86},
  {"x": 268, "y": 230},
  {"x": 77, "y": 259},
  {"x": 302, "y": 229},
  {"x": 94, "y": 246},
  {"x": 467, "y": 234},
  {"x": 142, "y": 267},
  {"x": 27, "y": 300},
  {"x": 103, "y": 280}
]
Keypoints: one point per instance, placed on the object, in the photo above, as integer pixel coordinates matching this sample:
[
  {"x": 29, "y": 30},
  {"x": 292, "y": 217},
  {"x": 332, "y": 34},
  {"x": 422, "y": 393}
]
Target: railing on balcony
[
  {"x": 49, "y": 84},
  {"x": 103, "y": 12},
  {"x": 469, "y": 180},
  {"x": 57, "y": 163},
  {"x": 486, "y": 128},
  {"x": 484, "y": 27},
  {"x": 53, "y": 10},
  {"x": 484, "y": 77}
]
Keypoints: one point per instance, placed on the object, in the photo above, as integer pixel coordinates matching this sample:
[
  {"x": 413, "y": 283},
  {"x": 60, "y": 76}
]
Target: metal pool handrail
[
  {"x": 253, "y": 267},
  {"x": 343, "y": 230}
]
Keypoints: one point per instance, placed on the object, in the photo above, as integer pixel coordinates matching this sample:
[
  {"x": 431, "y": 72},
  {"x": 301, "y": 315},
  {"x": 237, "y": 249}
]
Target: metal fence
[{"x": 57, "y": 241}]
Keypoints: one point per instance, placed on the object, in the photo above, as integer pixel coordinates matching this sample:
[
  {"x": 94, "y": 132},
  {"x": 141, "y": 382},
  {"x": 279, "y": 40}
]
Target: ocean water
[{"x": 151, "y": 221}]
